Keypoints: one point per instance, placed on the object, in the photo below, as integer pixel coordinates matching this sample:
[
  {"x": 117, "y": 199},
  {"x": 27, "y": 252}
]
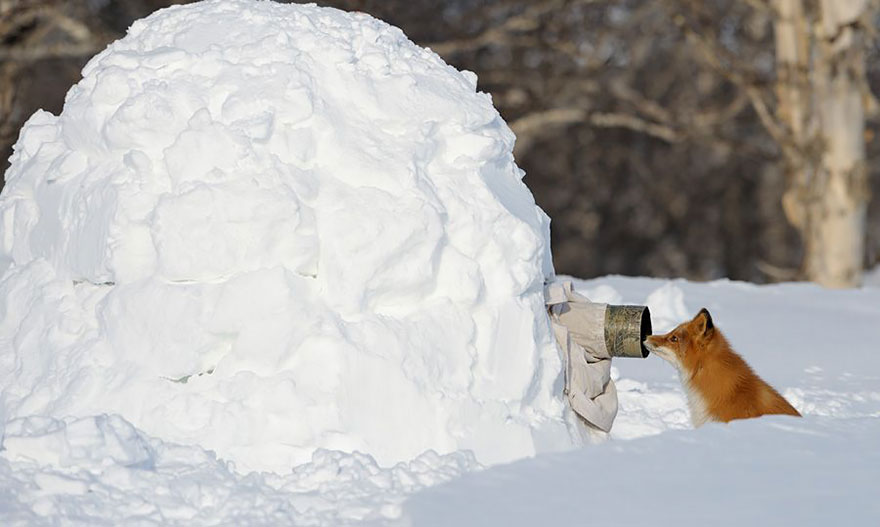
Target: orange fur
[{"x": 719, "y": 384}]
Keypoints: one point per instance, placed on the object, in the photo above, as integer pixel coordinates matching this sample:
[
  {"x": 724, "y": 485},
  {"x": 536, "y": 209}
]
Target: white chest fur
[{"x": 696, "y": 404}]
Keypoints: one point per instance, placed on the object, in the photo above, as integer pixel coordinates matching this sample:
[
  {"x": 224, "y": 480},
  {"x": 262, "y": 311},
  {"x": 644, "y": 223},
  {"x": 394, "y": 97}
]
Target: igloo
[{"x": 267, "y": 229}]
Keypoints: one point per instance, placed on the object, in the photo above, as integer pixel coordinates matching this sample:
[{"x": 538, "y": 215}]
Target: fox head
[{"x": 681, "y": 345}]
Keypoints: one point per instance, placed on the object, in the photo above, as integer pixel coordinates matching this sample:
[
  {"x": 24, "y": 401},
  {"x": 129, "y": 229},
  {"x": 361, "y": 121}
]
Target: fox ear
[{"x": 704, "y": 322}]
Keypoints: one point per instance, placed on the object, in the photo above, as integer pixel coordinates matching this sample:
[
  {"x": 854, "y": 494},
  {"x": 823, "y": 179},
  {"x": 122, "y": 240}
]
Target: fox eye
[{"x": 673, "y": 338}]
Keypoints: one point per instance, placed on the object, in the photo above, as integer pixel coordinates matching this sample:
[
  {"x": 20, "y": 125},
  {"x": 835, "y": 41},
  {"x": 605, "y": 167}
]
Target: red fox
[{"x": 720, "y": 386}]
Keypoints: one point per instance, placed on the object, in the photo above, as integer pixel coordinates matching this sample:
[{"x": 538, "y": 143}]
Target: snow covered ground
[
  {"x": 817, "y": 346},
  {"x": 262, "y": 238}
]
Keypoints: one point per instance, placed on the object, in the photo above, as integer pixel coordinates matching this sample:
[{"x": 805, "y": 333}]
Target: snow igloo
[{"x": 267, "y": 229}]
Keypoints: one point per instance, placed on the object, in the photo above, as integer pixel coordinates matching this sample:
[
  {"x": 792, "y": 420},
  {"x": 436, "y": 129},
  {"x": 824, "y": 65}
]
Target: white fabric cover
[{"x": 579, "y": 326}]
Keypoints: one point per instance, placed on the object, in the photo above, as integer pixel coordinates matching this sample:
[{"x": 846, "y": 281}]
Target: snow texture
[
  {"x": 267, "y": 229},
  {"x": 103, "y": 471},
  {"x": 275, "y": 265},
  {"x": 816, "y": 346}
]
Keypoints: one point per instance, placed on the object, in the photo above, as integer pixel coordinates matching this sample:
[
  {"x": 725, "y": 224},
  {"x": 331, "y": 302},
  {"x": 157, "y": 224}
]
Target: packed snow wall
[{"x": 269, "y": 228}]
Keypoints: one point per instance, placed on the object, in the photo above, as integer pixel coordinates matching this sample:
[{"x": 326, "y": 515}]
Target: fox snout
[{"x": 660, "y": 345}]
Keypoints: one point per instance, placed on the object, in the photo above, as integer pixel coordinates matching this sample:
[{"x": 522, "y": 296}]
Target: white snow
[
  {"x": 274, "y": 265},
  {"x": 817, "y": 346},
  {"x": 772, "y": 471},
  {"x": 102, "y": 471},
  {"x": 266, "y": 229}
]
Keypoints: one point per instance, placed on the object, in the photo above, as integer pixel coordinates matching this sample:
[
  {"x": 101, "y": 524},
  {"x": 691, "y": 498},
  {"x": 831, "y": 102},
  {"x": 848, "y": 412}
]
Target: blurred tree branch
[
  {"x": 527, "y": 126},
  {"x": 503, "y": 33},
  {"x": 33, "y": 31}
]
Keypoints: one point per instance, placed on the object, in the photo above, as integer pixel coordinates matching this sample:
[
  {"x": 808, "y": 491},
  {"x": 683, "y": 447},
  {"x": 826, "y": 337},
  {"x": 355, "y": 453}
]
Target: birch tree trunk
[{"x": 820, "y": 60}]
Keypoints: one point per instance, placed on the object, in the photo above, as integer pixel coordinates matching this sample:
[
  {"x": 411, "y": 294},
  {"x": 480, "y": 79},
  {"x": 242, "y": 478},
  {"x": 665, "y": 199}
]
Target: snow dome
[{"x": 267, "y": 229}]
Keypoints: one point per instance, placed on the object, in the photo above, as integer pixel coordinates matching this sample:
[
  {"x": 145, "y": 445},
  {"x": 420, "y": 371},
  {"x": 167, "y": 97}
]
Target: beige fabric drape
[{"x": 579, "y": 328}]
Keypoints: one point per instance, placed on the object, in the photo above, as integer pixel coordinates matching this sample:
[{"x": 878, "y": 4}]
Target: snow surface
[
  {"x": 267, "y": 229},
  {"x": 817, "y": 346},
  {"x": 275, "y": 265},
  {"x": 103, "y": 471}
]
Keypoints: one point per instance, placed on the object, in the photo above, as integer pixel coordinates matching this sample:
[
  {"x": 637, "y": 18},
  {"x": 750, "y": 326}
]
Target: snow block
[{"x": 267, "y": 229}]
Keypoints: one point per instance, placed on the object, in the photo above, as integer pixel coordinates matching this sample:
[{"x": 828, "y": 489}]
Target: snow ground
[
  {"x": 822, "y": 471},
  {"x": 208, "y": 297},
  {"x": 816, "y": 346}
]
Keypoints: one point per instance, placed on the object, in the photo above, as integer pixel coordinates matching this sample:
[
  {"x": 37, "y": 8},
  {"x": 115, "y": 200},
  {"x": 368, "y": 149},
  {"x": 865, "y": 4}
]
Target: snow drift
[
  {"x": 267, "y": 229},
  {"x": 103, "y": 471}
]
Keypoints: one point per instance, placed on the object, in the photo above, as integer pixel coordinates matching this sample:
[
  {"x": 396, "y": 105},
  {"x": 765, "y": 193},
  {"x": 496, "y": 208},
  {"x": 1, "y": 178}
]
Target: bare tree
[
  {"x": 822, "y": 102},
  {"x": 816, "y": 112}
]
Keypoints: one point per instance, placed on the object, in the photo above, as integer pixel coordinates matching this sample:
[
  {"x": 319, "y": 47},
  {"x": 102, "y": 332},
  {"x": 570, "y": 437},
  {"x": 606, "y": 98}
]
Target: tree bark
[{"x": 820, "y": 60}]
